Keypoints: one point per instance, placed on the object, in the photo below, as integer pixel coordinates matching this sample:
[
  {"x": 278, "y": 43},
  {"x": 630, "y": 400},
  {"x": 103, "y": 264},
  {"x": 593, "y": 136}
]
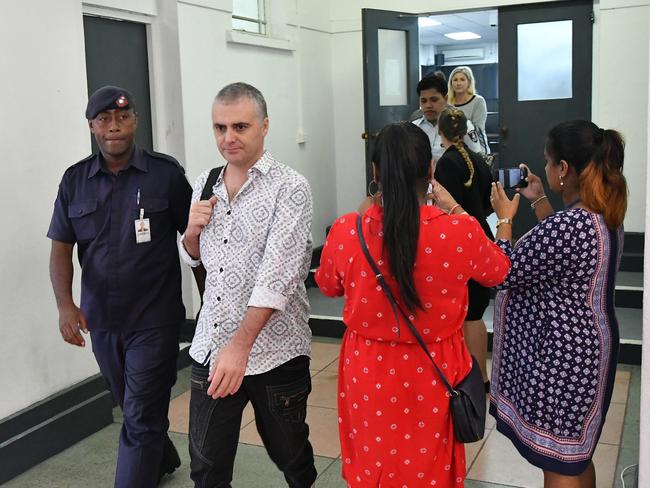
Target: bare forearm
[
  {"x": 191, "y": 244},
  {"x": 251, "y": 326},
  {"x": 61, "y": 273}
]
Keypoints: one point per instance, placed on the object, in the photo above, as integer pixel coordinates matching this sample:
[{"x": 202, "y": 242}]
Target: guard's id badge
[{"x": 142, "y": 229}]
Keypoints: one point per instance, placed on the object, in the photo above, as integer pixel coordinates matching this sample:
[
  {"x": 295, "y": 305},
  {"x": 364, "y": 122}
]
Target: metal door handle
[{"x": 367, "y": 136}]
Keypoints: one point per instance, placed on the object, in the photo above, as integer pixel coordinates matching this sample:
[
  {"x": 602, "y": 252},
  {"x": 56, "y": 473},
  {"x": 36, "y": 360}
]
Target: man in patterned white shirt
[{"x": 252, "y": 340}]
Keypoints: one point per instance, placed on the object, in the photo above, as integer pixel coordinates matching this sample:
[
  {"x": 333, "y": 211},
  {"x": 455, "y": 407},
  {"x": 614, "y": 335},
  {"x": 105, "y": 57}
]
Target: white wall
[
  {"x": 43, "y": 131},
  {"x": 644, "y": 427},
  {"x": 621, "y": 66},
  {"x": 620, "y": 55}
]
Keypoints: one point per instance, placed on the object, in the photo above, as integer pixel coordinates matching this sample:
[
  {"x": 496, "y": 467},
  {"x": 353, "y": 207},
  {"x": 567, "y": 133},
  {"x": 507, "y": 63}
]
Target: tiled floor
[{"x": 492, "y": 462}]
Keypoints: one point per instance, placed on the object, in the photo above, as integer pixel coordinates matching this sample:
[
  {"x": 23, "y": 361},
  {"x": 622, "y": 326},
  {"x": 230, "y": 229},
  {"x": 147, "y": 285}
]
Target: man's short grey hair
[{"x": 235, "y": 91}]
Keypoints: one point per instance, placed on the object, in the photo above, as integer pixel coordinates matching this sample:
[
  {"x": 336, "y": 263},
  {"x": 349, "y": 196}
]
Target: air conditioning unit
[{"x": 468, "y": 54}]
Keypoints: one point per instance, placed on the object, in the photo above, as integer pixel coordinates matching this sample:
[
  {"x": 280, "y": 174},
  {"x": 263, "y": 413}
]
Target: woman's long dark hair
[
  {"x": 402, "y": 157},
  {"x": 597, "y": 156}
]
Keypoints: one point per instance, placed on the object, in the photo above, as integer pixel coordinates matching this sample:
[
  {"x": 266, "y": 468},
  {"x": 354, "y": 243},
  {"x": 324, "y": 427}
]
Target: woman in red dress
[{"x": 394, "y": 421}]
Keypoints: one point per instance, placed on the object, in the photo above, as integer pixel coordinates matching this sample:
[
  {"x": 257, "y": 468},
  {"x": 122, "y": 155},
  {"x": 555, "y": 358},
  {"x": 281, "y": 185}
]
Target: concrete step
[{"x": 326, "y": 320}]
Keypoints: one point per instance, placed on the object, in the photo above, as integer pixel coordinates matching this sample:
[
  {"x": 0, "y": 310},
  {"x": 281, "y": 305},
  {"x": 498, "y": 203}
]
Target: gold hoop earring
[
  {"x": 376, "y": 189},
  {"x": 561, "y": 181}
]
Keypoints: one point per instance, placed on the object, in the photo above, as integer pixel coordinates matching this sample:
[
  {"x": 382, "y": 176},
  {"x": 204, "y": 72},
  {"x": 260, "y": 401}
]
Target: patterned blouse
[{"x": 256, "y": 250}]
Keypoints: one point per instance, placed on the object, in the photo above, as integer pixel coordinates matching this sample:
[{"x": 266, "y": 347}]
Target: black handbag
[{"x": 467, "y": 398}]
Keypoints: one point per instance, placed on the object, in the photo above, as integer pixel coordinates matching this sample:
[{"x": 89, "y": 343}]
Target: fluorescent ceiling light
[
  {"x": 427, "y": 22},
  {"x": 462, "y": 36}
]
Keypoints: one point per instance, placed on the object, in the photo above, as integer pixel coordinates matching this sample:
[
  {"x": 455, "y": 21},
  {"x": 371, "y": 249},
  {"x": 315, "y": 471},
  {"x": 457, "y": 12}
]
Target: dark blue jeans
[
  {"x": 279, "y": 398},
  {"x": 140, "y": 367}
]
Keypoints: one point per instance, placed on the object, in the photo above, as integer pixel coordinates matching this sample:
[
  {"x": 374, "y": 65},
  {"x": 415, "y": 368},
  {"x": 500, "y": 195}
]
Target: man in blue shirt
[{"x": 123, "y": 208}]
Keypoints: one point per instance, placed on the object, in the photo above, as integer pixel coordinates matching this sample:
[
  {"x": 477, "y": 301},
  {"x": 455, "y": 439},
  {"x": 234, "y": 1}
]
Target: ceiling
[{"x": 477, "y": 22}]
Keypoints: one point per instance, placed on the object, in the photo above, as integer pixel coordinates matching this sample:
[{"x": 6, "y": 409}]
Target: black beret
[{"x": 107, "y": 98}]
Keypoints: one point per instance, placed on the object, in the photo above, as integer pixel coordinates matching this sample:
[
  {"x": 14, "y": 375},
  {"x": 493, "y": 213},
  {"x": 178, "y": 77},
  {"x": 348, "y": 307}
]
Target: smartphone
[{"x": 512, "y": 177}]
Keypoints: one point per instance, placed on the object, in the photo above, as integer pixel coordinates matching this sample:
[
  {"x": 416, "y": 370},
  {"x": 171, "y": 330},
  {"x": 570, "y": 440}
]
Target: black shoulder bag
[{"x": 468, "y": 397}]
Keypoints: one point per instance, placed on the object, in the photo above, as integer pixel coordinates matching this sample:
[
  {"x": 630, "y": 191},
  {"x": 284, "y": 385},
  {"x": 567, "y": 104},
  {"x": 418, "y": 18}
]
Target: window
[
  {"x": 249, "y": 16},
  {"x": 544, "y": 60}
]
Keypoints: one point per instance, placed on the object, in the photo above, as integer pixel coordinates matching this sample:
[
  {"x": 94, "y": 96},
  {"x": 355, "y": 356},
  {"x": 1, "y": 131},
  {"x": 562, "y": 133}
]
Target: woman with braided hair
[{"x": 467, "y": 178}]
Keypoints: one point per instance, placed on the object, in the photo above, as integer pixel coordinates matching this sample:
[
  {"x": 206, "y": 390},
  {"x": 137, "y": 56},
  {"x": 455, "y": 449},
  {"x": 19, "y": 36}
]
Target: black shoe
[{"x": 170, "y": 461}]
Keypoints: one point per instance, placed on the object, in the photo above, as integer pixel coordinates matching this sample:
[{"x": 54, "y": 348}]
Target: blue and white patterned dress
[{"x": 556, "y": 340}]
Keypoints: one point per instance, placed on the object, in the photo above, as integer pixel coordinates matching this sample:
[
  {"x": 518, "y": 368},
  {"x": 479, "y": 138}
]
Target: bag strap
[
  {"x": 209, "y": 183},
  {"x": 199, "y": 272},
  {"x": 396, "y": 308}
]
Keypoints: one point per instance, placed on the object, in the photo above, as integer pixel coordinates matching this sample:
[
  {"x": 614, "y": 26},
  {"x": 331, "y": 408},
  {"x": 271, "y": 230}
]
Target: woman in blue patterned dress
[{"x": 556, "y": 335}]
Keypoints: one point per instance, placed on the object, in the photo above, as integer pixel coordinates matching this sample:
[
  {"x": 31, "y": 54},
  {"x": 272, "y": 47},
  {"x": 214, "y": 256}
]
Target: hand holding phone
[{"x": 511, "y": 178}]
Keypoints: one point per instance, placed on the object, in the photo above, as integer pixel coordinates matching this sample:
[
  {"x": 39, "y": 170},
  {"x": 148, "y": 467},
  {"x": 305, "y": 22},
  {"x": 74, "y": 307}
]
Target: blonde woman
[{"x": 462, "y": 95}]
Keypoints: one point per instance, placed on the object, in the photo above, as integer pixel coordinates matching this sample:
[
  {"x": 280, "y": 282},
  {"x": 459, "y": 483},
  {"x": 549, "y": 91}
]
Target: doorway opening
[{"x": 448, "y": 41}]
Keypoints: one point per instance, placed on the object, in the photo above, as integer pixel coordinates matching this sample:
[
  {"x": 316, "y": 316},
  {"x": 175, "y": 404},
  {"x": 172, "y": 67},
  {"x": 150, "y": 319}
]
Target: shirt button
[
  {"x": 228, "y": 212},
  {"x": 220, "y": 270},
  {"x": 214, "y": 325},
  {"x": 225, "y": 241},
  {"x": 218, "y": 299}
]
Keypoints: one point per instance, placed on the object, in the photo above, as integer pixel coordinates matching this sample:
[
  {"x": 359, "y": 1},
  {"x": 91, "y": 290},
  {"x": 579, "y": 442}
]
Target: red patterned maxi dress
[{"x": 394, "y": 422}]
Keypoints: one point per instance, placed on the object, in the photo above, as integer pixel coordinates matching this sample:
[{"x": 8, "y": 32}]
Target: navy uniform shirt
[{"x": 125, "y": 285}]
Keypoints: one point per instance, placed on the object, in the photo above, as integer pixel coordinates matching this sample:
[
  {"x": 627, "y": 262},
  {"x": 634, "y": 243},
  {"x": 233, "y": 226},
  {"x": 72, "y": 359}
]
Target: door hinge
[{"x": 592, "y": 17}]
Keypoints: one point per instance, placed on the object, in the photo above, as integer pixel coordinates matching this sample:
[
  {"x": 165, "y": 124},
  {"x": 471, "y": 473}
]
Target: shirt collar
[
  {"x": 423, "y": 121},
  {"x": 137, "y": 160},
  {"x": 263, "y": 165}
]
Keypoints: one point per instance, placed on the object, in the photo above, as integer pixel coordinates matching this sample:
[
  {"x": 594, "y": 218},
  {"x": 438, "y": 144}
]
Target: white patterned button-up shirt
[{"x": 256, "y": 250}]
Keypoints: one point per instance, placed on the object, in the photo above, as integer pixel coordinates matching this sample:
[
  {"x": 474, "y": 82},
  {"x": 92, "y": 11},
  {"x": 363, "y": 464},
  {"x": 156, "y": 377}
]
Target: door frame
[{"x": 164, "y": 83}]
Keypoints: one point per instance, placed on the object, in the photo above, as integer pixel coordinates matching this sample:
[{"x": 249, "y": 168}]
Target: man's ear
[
  {"x": 90, "y": 126},
  {"x": 265, "y": 126}
]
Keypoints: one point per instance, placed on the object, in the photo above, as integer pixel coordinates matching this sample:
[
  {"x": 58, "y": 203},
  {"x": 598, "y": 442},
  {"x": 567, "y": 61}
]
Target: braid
[{"x": 458, "y": 144}]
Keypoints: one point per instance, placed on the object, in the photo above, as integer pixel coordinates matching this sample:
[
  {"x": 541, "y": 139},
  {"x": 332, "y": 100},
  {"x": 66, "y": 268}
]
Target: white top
[
  {"x": 475, "y": 110},
  {"x": 434, "y": 138},
  {"x": 256, "y": 250}
]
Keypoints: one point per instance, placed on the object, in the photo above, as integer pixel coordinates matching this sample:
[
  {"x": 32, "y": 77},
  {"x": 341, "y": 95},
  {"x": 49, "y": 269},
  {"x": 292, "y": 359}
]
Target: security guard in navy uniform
[{"x": 123, "y": 208}]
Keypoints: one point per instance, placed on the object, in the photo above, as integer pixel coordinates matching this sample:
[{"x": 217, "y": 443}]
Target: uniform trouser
[
  {"x": 140, "y": 367},
  {"x": 279, "y": 399}
]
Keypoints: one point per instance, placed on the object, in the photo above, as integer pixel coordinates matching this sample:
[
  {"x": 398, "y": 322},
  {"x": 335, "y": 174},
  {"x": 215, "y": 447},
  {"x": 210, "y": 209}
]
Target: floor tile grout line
[
  {"x": 479, "y": 452},
  {"x": 328, "y": 467}
]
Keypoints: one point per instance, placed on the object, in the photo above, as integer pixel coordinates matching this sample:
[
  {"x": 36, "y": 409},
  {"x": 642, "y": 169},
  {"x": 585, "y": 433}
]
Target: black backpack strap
[
  {"x": 199, "y": 271},
  {"x": 209, "y": 184}
]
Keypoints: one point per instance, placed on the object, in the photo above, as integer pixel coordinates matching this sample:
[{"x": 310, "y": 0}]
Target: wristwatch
[{"x": 504, "y": 221}]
